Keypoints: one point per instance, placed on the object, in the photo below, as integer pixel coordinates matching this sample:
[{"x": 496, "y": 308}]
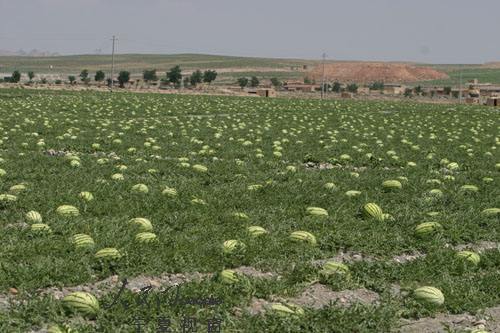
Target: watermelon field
[{"x": 170, "y": 213}]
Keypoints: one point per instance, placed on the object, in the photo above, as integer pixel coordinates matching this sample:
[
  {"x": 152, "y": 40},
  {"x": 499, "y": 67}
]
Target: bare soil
[{"x": 366, "y": 72}]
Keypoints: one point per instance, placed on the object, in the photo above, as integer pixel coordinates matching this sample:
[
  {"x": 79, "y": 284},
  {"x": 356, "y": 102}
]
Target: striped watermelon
[
  {"x": 232, "y": 245},
  {"x": 470, "y": 256},
  {"x": 303, "y": 236},
  {"x": 316, "y": 211},
  {"x": 169, "y": 192},
  {"x": 67, "y": 210},
  {"x": 86, "y": 196},
  {"x": 145, "y": 237},
  {"x": 40, "y": 227},
  {"x": 142, "y": 224},
  {"x": 82, "y": 241},
  {"x": 287, "y": 309},
  {"x": 82, "y": 302},
  {"x": 429, "y": 295},
  {"x": 108, "y": 253},
  {"x": 372, "y": 211},
  {"x": 428, "y": 228},
  {"x": 229, "y": 276},
  {"x": 33, "y": 216},
  {"x": 391, "y": 185},
  {"x": 256, "y": 231}
]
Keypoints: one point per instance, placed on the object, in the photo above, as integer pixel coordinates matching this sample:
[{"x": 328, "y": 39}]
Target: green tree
[
  {"x": 447, "y": 90},
  {"x": 408, "y": 92},
  {"x": 307, "y": 80},
  {"x": 377, "y": 86},
  {"x": 209, "y": 76},
  {"x": 195, "y": 78},
  {"x": 31, "y": 75},
  {"x": 353, "y": 87},
  {"x": 418, "y": 90},
  {"x": 149, "y": 75},
  {"x": 99, "y": 76},
  {"x": 276, "y": 83},
  {"x": 72, "y": 79},
  {"x": 186, "y": 81},
  {"x": 175, "y": 75},
  {"x": 123, "y": 77},
  {"x": 84, "y": 75},
  {"x": 242, "y": 82},
  {"x": 254, "y": 81},
  {"x": 336, "y": 87},
  {"x": 16, "y": 77}
]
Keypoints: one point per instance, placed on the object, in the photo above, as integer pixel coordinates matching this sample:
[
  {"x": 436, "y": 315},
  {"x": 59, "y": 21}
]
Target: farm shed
[
  {"x": 301, "y": 87},
  {"x": 394, "y": 89},
  {"x": 493, "y": 101}
]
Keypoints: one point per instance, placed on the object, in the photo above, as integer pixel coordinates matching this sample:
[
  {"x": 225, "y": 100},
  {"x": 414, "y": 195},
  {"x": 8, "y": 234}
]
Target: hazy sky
[{"x": 437, "y": 31}]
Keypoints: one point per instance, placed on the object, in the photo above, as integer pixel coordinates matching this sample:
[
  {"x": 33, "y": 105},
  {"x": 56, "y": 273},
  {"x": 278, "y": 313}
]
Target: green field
[
  {"x": 203, "y": 169},
  {"x": 468, "y": 72},
  {"x": 136, "y": 63}
]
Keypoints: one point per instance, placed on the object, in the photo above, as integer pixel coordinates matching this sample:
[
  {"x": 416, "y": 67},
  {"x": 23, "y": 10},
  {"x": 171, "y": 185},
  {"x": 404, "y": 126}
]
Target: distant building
[
  {"x": 263, "y": 92},
  {"x": 493, "y": 101},
  {"x": 299, "y": 86},
  {"x": 394, "y": 89}
]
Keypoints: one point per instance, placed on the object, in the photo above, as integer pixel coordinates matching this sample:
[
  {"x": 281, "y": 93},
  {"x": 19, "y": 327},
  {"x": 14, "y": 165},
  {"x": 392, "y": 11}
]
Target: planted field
[{"x": 269, "y": 215}]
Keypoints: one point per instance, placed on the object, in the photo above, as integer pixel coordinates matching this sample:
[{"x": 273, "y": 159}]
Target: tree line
[{"x": 173, "y": 76}]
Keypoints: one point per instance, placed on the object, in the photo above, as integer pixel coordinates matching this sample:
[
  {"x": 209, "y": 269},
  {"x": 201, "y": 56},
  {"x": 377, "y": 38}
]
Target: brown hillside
[{"x": 363, "y": 72}]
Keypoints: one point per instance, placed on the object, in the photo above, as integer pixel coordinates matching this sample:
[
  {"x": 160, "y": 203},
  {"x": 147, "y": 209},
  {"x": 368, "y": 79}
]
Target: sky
[{"x": 429, "y": 31}]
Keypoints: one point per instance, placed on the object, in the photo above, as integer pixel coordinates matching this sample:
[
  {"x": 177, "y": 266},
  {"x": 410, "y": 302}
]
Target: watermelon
[
  {"x": 169, "y": 192},
  {"x": 428, "y": 228},
  {"x": 142, "y": 224},
  {"x": 117, "y": 176},
  {"x": 372, "y": 211},
  {"x": 145, "y": 237},
  {"x": 232, "y": 245},
  {"x": 303, "y": 236},
  {"x": 352, "y": 193},
  {"x": 332, "y": 267},
  {"x": 287, "y": 309},
  {"x": 391, "y": 185},
  {"x": 491, "y": 212},
  {"x": 140, "y": 188},
  {"x": 81, "y": 302},
  {"x": 108, "y": 253},
  {"x": 241, "y": 216},
  {"x": 16, "y": 189},
  {"x": 40, "y": 227},
  {"x": 469, "y": 188},
  {"x": 229, "y": 276},
  {"x": 33, "y": 216},
  {"x": 200, "y": 168},
  {"x": 67, "y": 211},
  {"x": 7, "y": 198},
  {"x": 470, "y": 256},
  {"x": 316, "y": 211},
  {"x": 429, "y": 295},
  {"x": 86, "y": 196},
  {"x": 330, "y": 186},
  {"x": 82, "y": 241},
  {"x": 256, "y": 231}
]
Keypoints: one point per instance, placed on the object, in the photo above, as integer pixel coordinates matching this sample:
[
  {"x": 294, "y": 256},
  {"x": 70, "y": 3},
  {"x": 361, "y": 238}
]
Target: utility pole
[
  {"x": 460, "y": 89},
  {"x": 323, "y": 78},
  {"x": 114, "y": 39}
]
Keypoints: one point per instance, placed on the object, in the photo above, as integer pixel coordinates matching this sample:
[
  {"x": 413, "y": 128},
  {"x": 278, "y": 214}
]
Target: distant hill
[
  {"x": 232, "y": 67},
  {"x": 32, "y": 53}
]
